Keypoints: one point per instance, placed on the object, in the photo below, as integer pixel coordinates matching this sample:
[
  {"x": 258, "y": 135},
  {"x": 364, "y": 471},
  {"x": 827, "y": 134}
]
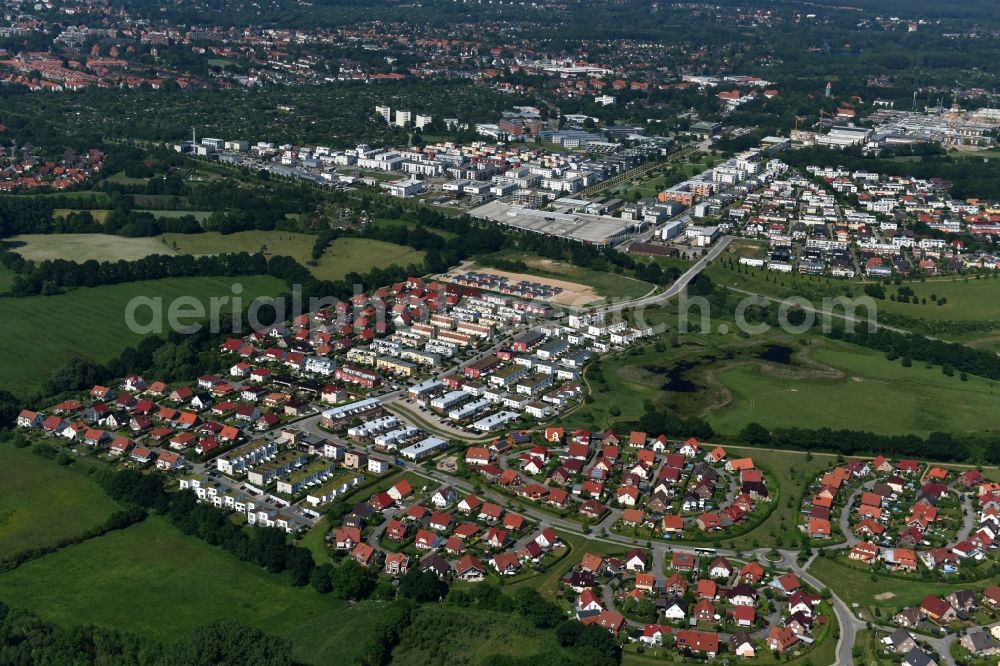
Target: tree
[
  {"x": 352, "y": 581},
  {"x": 422, "y": 586},
  {"x": 755, "y": 433},
  {"x": 320, "y": 579}
]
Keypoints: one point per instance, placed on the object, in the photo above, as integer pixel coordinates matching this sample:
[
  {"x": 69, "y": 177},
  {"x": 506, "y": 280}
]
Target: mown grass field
[
  {"x": 46, "y": 331},
  {"x": 84, "y": 247},
  {"x": 874, "y": 394},
  {"x": 151, "y": 579},
  {"x": 360, "y": 255},
  {"x": 42, "y": 503},
  {"x": 609, "y": 285},
  {"x": 343, "y": 256}
]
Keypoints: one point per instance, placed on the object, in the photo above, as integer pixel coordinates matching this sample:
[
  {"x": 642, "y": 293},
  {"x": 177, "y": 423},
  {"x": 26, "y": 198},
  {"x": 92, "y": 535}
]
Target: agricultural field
[
  {"x": 153, "y": 580},
  {"x": 915, "y": 400},
  {"x": 38, "y": 325},
  {"x": 42, "y": 503},
  {"x": 605, "y": 284},
  {"x": 84, "y": 247}
]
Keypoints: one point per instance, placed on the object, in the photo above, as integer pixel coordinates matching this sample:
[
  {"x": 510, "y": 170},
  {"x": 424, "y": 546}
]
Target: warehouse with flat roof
[{"x": 599, "y": 230}]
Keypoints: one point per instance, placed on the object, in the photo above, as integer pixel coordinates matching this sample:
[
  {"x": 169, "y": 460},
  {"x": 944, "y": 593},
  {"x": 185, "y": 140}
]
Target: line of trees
[
  {"x": 939, "y": 446},
  {"x": 53, "y": 276},
  {"x": 118, "y": 520},
  {"x": 919, "y": 348}
]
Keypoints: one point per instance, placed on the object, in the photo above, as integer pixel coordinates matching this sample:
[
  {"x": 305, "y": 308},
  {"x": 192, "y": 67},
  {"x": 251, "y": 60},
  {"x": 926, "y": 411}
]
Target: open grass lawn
[
  {"x": 90, "y": 322},
  {"x": 297, "y": 246},
  {"x": 360, "y": 255},
  {"x": 441, "y": 634},
  {"x": 878, "y": 395},
  {"x": 153, "y": 580},
  {"x": 84, "y": 247},
  {"x": 854, "y": 586},
  {"x": 609, "y": 285},
  {"x": 345, "y": 255},
  {"x": 42, "y": 503},
  {"x": 970, "y": 315}
]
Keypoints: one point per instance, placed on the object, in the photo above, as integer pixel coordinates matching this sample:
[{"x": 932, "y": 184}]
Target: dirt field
[
  {"x": 573, "y": 294},
  {"x": 83, "y": 247}
]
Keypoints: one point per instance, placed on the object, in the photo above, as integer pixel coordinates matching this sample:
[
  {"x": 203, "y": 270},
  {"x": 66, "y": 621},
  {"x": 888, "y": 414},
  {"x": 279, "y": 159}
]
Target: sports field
[
  {"x": 151, "y": 579},
  {"x": 872, "y": 394},
  {"x": 47, "y": 331},
  {"x": 42, "y": 503}
]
